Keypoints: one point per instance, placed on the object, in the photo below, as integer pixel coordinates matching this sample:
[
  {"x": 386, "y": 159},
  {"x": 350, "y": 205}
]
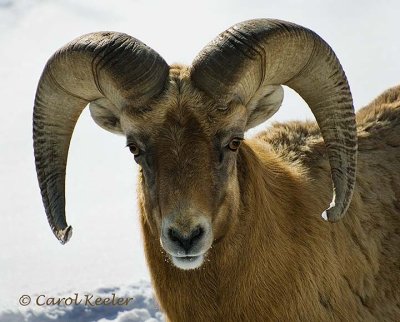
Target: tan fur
[{"x": 274, "y": 258}]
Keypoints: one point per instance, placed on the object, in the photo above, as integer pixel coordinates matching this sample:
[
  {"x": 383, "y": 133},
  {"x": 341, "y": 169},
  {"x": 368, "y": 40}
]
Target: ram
[{"x": 232, "y": 227}]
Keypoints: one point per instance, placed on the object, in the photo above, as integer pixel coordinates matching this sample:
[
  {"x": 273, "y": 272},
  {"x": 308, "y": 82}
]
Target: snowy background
[{"x": 105, "y": 255}]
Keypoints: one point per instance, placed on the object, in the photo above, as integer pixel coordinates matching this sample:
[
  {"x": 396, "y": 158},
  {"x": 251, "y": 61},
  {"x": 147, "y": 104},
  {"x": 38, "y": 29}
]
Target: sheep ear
[
  {"x": 264, "y": 103},
  {"x": 106, "y": 115}
]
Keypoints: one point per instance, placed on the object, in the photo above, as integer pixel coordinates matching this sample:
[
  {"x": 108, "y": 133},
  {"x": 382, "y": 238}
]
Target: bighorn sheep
[{"x": 239, "y": 222}]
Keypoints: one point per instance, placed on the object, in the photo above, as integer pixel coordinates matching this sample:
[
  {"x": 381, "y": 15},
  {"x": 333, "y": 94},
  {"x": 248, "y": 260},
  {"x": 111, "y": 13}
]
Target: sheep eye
[
  {"x": 134, "y": 149},
  {"x": 234, "y": 144}
]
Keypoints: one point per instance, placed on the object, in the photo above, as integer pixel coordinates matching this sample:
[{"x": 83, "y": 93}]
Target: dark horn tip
[
  {"x": 64, "y": 235},
  {"x": 333, "y": 214}
]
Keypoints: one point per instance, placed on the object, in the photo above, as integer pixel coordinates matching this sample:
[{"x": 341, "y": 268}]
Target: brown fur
[{"x": 274, "y": 258}]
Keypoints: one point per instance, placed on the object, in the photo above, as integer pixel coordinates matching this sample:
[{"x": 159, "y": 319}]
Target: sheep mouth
[{"x": 188, "y": 262}]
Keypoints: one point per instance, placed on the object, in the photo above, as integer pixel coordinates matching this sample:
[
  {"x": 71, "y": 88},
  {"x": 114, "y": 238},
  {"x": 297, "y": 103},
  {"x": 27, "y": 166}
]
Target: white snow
[{"x": 106, "y": 248}]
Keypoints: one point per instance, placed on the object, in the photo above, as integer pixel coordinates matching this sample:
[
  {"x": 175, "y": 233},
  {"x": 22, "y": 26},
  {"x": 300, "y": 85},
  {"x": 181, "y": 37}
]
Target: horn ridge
[
  {"x": 257, "y": 53},
  {"x": 107, "y": 65}
]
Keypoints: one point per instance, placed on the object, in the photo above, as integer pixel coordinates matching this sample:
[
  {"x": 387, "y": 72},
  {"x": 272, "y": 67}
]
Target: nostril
[
  {"x": 196, "y": 234},
  {"x": 174, "y": 235}
]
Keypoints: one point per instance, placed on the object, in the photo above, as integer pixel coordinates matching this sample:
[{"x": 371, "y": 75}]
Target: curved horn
[
  {"x": 253, "y": 54},
  {"x": 107, "y": 65}
]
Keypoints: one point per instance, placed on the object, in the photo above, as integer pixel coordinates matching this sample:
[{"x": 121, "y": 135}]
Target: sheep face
[{"x": 187, "y": 154}]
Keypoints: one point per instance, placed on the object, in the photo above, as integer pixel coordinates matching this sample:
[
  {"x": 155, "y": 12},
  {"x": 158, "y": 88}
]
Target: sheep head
[{"x": 184, "y": 125}]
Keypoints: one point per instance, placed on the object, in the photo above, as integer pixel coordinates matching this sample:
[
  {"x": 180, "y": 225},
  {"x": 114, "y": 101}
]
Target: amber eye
[
  {"x": 134, "y": 149},
  {"x": 234, "y": 144}
]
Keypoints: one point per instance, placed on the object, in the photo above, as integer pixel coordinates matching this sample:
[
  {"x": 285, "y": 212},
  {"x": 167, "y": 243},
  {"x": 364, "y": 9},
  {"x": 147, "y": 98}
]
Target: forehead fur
[{"x": 181, "y": 98}]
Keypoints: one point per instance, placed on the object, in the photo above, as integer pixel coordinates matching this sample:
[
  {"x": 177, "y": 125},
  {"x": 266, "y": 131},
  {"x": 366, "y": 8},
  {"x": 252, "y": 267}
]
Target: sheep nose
[{"x": 186, "y": 241}]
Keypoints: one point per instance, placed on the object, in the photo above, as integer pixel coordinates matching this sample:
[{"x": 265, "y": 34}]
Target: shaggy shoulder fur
[{"x": 371, "y": 264}]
